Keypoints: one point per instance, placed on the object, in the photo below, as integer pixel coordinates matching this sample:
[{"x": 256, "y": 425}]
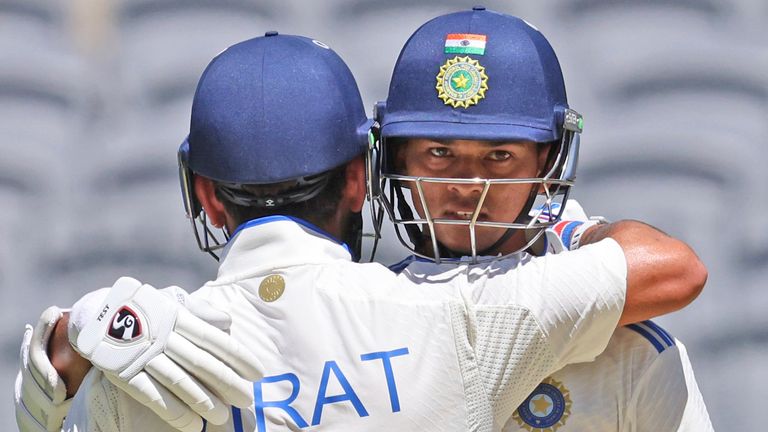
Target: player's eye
[
  {"x": 499, "y": 155},
  {"x": 440, "y": 152}
]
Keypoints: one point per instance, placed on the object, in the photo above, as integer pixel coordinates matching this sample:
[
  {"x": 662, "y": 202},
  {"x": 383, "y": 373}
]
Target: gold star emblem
[
  {"x": 461, "y": 82},
  {"x": 541, "y": 405}
]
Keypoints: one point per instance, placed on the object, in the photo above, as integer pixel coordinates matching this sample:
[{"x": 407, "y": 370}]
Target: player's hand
[
  {"x": 149, "y": 344},
  {"x": 565, "y": 234},
  {"x": 40, "y": 394}
]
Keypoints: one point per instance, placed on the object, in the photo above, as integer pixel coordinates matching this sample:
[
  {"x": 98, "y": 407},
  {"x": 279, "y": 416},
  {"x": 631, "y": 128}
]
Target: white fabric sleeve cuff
[{"x": 582, "y": 299}]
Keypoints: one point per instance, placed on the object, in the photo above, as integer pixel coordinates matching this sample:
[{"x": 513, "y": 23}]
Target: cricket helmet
[
  {"x": 269, "y": 110},
  {"x": 474, "y": 75}
]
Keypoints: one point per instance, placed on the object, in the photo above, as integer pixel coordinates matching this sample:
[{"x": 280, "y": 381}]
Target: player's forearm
[
  {"x": 663, "y": 273},
  {"x": 70, "y": 366}
]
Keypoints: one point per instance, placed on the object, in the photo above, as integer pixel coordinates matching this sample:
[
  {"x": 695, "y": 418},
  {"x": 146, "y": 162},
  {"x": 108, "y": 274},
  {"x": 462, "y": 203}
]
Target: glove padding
[
  {"x": 565, "y": 234},
  {"x": 39, "y": 393},
  {"x": 149, "y": 345}
]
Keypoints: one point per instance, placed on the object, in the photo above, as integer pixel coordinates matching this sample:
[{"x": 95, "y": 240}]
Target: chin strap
[
  {"x": 353, "y": 235},
  {"x": 413, "y": 231}
]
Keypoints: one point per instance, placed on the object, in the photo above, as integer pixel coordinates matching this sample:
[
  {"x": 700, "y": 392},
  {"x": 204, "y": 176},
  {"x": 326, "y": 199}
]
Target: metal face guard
[
  {"x": 414, "y": 228},
  {"x": 206, "y": 239}
]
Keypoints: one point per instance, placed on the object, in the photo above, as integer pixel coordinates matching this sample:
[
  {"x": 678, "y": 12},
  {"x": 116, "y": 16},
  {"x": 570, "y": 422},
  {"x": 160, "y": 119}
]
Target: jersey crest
[{"x": 546, "y": 409}]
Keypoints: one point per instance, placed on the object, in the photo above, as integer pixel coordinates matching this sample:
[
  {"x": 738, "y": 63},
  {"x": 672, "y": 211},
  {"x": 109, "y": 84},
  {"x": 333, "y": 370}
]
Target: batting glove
[
  {"x": 148, "y": 343},
  {"x": 566, "y": 234},
  {"x": 39, "y": 393}
]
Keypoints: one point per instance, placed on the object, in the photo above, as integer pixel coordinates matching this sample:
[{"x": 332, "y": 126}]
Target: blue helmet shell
[
  {"x": 525, "y": 98},
  {"x": 273, "y": 109}
]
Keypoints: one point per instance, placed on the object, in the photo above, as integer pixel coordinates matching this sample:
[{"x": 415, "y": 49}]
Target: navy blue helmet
[
  {"x": 269, "y": 110},
  {"x": 474, "y": 75}
]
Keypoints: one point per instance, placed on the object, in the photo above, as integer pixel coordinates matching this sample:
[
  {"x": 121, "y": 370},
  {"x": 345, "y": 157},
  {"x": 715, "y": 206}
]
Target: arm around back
[
  {"x": 70, "y": 366},
  {"x": 663, "y": 273}
]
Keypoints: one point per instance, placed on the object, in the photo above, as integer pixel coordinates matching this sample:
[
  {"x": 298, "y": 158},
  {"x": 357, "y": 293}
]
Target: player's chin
[
  {"x": 488, "y": 238},
  {"x": 457, "y": 238}
]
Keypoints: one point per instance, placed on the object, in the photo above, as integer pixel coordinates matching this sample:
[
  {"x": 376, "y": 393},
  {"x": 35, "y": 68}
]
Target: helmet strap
[
  {"x": 414, "y": 233},
  {"x": 352, "y": 235}
]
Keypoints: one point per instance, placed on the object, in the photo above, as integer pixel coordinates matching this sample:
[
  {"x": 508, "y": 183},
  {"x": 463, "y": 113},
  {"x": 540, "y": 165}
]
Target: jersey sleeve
[
  {"x": 95, "y": 406},
  {"x": 576, "y": 297},
  {"x": 530, "y": 321},
  {"x": 581, "y": 300},
  {"x": 667, "y": 397},
  {"x": 99, "y": 406}
]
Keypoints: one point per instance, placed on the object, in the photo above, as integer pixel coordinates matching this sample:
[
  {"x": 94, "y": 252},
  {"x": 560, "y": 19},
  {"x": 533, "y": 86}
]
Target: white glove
[
  {"x": 39, "y": 393},
  {"x": 565, "y": 234},
  {"x": 153, "y": 348}
]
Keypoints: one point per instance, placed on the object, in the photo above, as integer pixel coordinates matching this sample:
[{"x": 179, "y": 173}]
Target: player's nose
[
  {"x": 470, "y": 177},
  {"x": 468, "y": 187}
]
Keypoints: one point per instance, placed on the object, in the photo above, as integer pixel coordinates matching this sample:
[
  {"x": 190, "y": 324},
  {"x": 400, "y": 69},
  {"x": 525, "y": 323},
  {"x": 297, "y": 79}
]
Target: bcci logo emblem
[
  {"x": 125, "y": 326},
  {"x": 462, "y": 82},
  {"x": 546, "y": 409}
]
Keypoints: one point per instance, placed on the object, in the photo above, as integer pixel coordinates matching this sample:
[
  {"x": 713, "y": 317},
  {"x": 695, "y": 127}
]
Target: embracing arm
[
  {"x": 70, "y": 366},
  {"x": 180, "y": 363},
  {"x": 663, "y": 273}
]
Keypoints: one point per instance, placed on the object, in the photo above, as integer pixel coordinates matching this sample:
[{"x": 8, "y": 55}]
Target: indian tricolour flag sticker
[{"x": 465, "y": 43}]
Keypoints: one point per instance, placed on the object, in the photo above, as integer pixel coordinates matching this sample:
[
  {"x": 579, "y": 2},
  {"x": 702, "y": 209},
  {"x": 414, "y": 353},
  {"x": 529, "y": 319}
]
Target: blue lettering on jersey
[
  {"x": 322, "y": 398},
  {"x": 285, "y": 405},
  {"x": 385, "y": 357},
  {"x": 348, "y": 395},
  {"x": 237, "y": 419}
]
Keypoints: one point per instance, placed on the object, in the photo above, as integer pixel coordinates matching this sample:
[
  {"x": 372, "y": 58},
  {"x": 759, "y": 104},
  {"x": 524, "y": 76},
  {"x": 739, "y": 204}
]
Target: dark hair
[{"x": 316, "y": 210}]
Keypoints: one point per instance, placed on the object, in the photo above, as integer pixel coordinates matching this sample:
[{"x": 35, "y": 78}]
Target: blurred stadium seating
[{"x": 95, "y": 98}]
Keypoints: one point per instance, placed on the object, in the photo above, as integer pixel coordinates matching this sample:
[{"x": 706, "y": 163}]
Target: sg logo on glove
[{"x": 126, "y": 326}]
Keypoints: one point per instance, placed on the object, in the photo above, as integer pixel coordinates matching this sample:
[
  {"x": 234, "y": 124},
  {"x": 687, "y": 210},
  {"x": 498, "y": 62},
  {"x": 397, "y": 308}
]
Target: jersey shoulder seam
[{"x": 653, "y": 333}]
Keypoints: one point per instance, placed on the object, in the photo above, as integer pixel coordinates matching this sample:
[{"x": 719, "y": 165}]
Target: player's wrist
[
  {"x": 589, "y": 232},
  {"x": 583, "y": 234},
  {"x": 69, "y": 365},
  {"x": 40, "y": 396}
]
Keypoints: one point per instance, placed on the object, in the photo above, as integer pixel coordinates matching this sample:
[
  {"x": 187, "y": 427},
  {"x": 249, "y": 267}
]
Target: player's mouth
[{"x": 464, "y": 215}]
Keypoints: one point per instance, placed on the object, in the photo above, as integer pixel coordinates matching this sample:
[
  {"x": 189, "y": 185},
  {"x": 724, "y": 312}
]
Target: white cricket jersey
[
  {"x": 350, "y": 347},
  {"x": 643, "y": 381}
]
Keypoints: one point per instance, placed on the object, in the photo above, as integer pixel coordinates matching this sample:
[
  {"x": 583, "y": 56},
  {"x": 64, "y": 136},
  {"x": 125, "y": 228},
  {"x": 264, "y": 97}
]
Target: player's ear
[
  {"x": 206, "y": 194},
  {"x": 355, "y": 188}
]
